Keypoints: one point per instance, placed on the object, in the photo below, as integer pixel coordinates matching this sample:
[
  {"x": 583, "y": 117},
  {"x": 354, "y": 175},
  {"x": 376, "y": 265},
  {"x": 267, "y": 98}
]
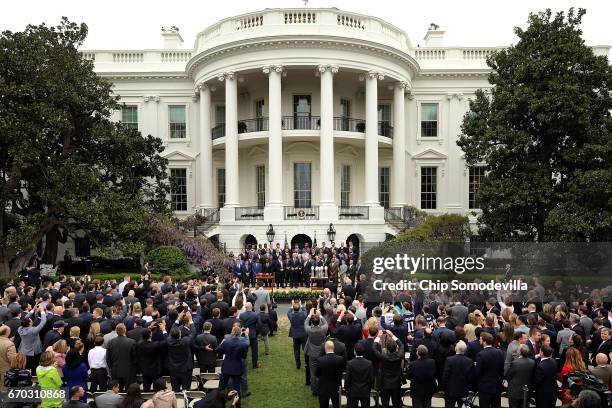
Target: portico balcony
[
  {"x": 296, "y": 213},
  {"x": 249, "y": 213},
  {"x": 354, "y": 212}
]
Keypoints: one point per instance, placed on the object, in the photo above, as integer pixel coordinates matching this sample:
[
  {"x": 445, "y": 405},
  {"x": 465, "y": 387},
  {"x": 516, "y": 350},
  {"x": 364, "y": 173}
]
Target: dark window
[
  {"x": 178, "y": 189},
  {"x": 301, "y": 111},
  {"x": 383, "y": 186},
  {"x": 302, "y": 188},
  {"x": 221, "y": 187},
  {"x": 429, "y": 187},
  {"x": 475, "y": 176},
  {"x": 260, "y": 182},
  {"x": 345, "y": 186},
  {"x": 429, "y": 120},
  {"x": 129, "y": 116}
]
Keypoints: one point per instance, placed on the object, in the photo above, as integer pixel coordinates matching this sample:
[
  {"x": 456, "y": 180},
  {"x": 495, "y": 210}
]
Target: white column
[
  {"x": 231, "y": 139},
  {"x": 326, "y": 185},
  {"x": 398, "y": 190},
  {"x": 371, "y": 139},
  {"x": 206, "y": 168},
  {"x": 275, "y": 137}
]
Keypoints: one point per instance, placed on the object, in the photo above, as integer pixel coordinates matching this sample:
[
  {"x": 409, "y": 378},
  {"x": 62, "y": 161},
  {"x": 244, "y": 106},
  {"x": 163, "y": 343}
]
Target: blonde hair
[
  {"x": 60, "y": 346},
  {"x": 136, "y": 308},
  {"x": 18, "y": 362},
  {"x": 94, "y": 330},
  {"x": 371, "y": 322},
  {"x": 47, "y": 359},
  {"x": 79, "y": 346},
  {"x": 75, "y": 331}
]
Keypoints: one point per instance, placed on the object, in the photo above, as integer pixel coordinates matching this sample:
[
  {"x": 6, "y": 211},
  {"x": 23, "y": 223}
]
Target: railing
[
  {"x": 300, "y": 17},
  {"x": 385, "y": 129},
  {"x": 346, "y": 124},
  {"x": 405, "y": 217},
  {"x": 175, "y": 56},
  {"x": 349, "y": 20},
  {"x": 301, "y": 122},
  {"x": 208, "y": 215},
  {"x": 250, "y": 22},
  {"x": 430, "y": 54},
  {"x": 253, "y": 125},
  {"x": 128, "y": 56},
  {"x": 218, "y": 131},
  {"x": 354, "y": 212},
  {"x": 249, "y": 213},
  {"x": 295, "y": 213}
]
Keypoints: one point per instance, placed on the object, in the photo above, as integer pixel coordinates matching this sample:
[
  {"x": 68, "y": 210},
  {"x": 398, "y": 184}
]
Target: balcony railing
[
  {"x": 218, "y": 131},
  {"x": 349, "y": 124},
  {"x": 407, "y": 216},
  {"x": 385, "y": 128},
  {"x": 208, "y": 215},
  {"x": 253, "y": 125},
  {"x": 249, "y": 213},
  {"x": 295, "y": 213},
  {"x": 354, "y": 212},
  {"x": 301, "y": 122}
]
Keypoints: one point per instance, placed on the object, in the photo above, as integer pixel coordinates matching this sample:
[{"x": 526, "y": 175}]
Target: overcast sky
[{"x": 126, "y": 24}]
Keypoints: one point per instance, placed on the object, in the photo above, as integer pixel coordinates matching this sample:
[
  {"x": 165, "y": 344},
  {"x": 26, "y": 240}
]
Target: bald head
[
  {"x": 601, "y": 359},
  {"x": 5, "y": 331},
  {"x": 329, "y": 346},
  {"x": 249, "y": 306},
  {"x": 460, "y": 347}
]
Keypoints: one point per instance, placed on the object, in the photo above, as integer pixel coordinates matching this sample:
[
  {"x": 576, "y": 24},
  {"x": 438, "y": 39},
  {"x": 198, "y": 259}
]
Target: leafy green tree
[
  {"x": 65, "y": 167},
  {"x": 545, "y": 133},
  {"x": 437, "y": 228}
]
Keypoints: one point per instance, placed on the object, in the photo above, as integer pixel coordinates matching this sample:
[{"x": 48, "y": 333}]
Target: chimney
[
  {"x": 434, "y": 36},
  {"x": 172, "y": 38}
]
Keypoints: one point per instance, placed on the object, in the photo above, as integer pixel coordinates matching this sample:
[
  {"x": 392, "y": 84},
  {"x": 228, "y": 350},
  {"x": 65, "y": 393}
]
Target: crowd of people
[{"x": 119, "y": 339}]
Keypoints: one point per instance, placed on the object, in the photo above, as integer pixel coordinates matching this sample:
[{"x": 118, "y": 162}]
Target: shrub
[
  {"x": 437, "y": 228},
  {"x": 170, "y": 258}
]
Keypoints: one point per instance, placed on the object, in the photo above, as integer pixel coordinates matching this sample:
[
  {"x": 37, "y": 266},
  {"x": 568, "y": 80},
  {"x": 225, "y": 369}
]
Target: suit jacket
[
  {"x": 459, "y": 314},
  {"x": 108, "y": 400},
  {"x": 120, "y": 357},
  {"x": 251, "y": 321},
  {"x": 263, "y": 298},
  {"x": 148, "y": 358},
  {"x": 349, "y": 334},
  {"x": 227, "y": 324},
  {"x": 329, "y": 370},
  {"x": 519, "y": 374},
  {"x": 605, "y": 348},
  {"x": 604, "y": 373},
  {"x": 391, "y": 365},
  {"x": 7, "y": 353},
  {"x": 473, "y": 348},
  {"x": 490, "y": 371},
  {"x": 179, "y": 357},
  {"x": 456, "y": 376},
  {"x": 199, "y": 346},
  {"x": 368, "y": 350},
  {"x": 422, "y": 376},
  {"x": 235, "y": 350},
  {"x": 135, "y": 334},
  {"x": 359, "y": 377},
  {"x": 533, "y": 350},
  {"x": 545, "y": 384},
  {"x": 297, "y": 319},
  {"x": 316, "y": 337}
]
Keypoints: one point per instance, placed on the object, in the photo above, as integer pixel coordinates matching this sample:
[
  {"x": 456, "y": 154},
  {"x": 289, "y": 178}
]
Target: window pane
[
  {"x": 220, "y": 114},
  {"x": 429, "y": 187},
  {"x": 384, "y": 113},
  {"x": 260, "y": 182},
  {"x": 383, "y": 186},
  {"x": 129, "y": 116},
  {"x": 302, "y": 187},
  {"x": 177, "y": 114},
  {"x": 345, "y": 186},
  {"x": 476, "y": 174},
  {"x": 429, "y": 111},
  {"x": 178, "y": 189},
  {"x": 221, "y": 187}
]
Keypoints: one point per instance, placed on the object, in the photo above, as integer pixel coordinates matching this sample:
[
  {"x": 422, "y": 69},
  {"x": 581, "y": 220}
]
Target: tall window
[
  {"x": 384, "y": 119},
  {"x": 259, "y": 115},
  {"x": 429, "y": 120},
  {"x": 345, "y": 113},
  {"x": 221, "y": 187},
  {"x": 302, "y": 189},
  {"x": 129, "y": 116},
  {"x": 220, "y": 114},
  {"x": 383, "y": 186},
  {"x": 260, "y": 183},
  {"x": 345, "y": 186},
  {"x": 178, "y": 123},
  {"x": 178, "y": 189},
  {"x": 475, "y": 176},
  {"x": 429, "y": 187},
  {"x": 301, "y": 111}
]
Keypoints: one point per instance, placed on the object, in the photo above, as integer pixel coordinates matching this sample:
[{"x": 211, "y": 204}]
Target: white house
[{"x": 302, "y": 118}]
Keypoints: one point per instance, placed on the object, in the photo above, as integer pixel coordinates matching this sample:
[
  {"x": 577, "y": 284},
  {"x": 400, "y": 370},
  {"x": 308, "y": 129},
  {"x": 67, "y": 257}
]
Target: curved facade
[{"x": 304, "y": 117}]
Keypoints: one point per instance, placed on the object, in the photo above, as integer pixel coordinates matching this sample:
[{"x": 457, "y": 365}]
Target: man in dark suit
[
  {"x": 545, "y": 380},
  {"x": 147, "y": 357},
  {"x": 489, "y": 373},
  {"x": 297, "y": 317},
  {"x": 204, "y": 346},
  {"x": 136, "y": 333},
  {"x": 120, "y": 358},
  {"x": 235, "y": 350},
  {"x": 349, "y": 332},
  {"x": 474, "y": 347},
  {"x": 217, "y": 325},
  {"x": 519, "y": 375},
  {"x": 456, "y": 377},
  {"x": 605, "y": 346},
  {"x": 179, "y": 357},
  {"x": 533, "y": 343},
  {"x": 359, "y": 379},
  {"x": 250, "y": 320},
  {"x": 329, "y": 371},
  {"x": 221, "y": 305}
]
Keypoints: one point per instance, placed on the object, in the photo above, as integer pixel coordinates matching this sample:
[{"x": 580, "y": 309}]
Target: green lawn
[{"x": 278, "y": 384}]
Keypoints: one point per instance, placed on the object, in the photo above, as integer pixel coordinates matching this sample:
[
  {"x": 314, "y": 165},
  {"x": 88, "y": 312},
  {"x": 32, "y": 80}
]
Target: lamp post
[
  {"x": 331, "y": 232},
  {"x": 270, "y": 234}
]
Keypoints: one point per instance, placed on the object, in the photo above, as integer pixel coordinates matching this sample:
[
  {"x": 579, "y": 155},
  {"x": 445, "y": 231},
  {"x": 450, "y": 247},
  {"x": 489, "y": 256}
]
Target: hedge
[{"x": 170, "y": 258}]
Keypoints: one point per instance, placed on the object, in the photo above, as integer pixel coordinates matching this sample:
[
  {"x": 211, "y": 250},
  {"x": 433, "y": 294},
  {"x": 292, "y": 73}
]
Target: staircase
[{"x": 207, "y": 218}]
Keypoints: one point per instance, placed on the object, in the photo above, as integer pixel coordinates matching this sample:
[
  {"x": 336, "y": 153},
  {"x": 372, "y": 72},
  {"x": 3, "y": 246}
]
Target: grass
[{"x": 278, "y": 384}]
